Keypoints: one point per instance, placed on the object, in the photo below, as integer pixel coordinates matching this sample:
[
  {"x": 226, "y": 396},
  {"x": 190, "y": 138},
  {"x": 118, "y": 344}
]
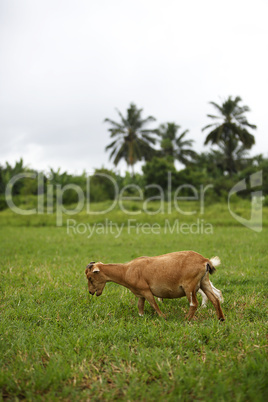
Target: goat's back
[{"x": 169, "y": 267}]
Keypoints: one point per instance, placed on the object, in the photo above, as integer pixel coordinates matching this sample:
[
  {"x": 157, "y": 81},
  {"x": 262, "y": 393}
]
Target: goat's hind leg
[
  {"x": 204, "y": 298},
  {"x": 207, "y": 289}
]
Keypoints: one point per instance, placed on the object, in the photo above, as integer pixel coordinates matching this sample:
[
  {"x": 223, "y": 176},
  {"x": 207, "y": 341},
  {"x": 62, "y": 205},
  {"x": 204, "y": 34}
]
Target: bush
[{"x": 156, "y": 172}]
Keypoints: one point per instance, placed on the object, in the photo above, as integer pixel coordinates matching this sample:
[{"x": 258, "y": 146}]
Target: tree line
[
  {"x": 229, "y": 131},
  {"x": 132, "y": 140}
]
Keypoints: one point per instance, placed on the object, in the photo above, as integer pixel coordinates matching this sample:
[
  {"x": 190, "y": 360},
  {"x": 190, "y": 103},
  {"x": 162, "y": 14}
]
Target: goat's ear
[
  {"x": 90, "y": 265},
  {"x": 96, "y": 269}
]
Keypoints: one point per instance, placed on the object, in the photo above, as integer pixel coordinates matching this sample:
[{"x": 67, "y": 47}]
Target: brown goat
[{"x": 168, "y": 276}]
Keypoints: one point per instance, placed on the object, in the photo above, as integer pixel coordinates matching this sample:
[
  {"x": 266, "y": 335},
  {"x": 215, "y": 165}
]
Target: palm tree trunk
[
  {"x": 132, "y": 170},
  {"x": 131, "y": 156}
]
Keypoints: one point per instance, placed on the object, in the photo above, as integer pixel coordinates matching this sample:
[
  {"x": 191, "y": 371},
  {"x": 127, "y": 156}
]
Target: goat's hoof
[{"x": 222, "y": 319}]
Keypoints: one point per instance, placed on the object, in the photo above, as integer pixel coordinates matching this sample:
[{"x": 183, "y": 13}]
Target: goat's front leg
[
  {"x": 141, "y": 305},
  {"x": 150, "y": 298}
]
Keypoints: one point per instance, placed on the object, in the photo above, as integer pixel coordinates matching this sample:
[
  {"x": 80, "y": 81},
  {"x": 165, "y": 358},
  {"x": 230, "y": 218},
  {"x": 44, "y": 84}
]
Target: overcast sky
[{"x": 67, "y": 65}]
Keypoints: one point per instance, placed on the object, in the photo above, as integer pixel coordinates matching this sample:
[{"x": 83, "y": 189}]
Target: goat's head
[{"x": 96, "y": 278}]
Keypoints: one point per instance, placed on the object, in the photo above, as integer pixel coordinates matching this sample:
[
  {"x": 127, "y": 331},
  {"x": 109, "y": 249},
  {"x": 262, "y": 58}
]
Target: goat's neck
[{"x": 115, "y": 273}]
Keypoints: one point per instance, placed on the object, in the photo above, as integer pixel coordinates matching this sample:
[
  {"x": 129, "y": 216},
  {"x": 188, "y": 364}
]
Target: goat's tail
[{"x": 213, "y": 262}]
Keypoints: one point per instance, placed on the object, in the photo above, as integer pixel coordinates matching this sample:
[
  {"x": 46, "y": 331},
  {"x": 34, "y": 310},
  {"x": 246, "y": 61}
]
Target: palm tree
[
  {"x": 231, "y": 134},
  {"x": 232, "y": 155},
  {"x": 174, "y": 147},
  {"x": 132, "y": 141}
]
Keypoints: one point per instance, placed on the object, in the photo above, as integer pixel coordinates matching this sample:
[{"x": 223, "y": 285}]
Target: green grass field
[{"x": 59, "y": 343}]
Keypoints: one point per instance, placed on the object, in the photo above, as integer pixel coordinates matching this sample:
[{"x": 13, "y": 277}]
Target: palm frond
[
  {"x": 111, "y": 145},
  {"x": 123, "y": 119},
  {"x": 212, "y": 116},
  {"x": 208, "y": 126},
  {"x": 218, "y": 107},
  {"x": 114, "y": 123},
  {"x": 215, "y": 135},
  {"x": 114, "y": 132},
  {"x": 121, "y": 153}
]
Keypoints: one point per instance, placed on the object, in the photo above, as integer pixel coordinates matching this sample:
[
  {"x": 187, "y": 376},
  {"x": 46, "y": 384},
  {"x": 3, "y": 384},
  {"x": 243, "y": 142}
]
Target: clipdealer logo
[
  {"x": 255, "y": 221},
  {"x": 133, "y": 226},
  {"x": 50, "y": 198}
]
